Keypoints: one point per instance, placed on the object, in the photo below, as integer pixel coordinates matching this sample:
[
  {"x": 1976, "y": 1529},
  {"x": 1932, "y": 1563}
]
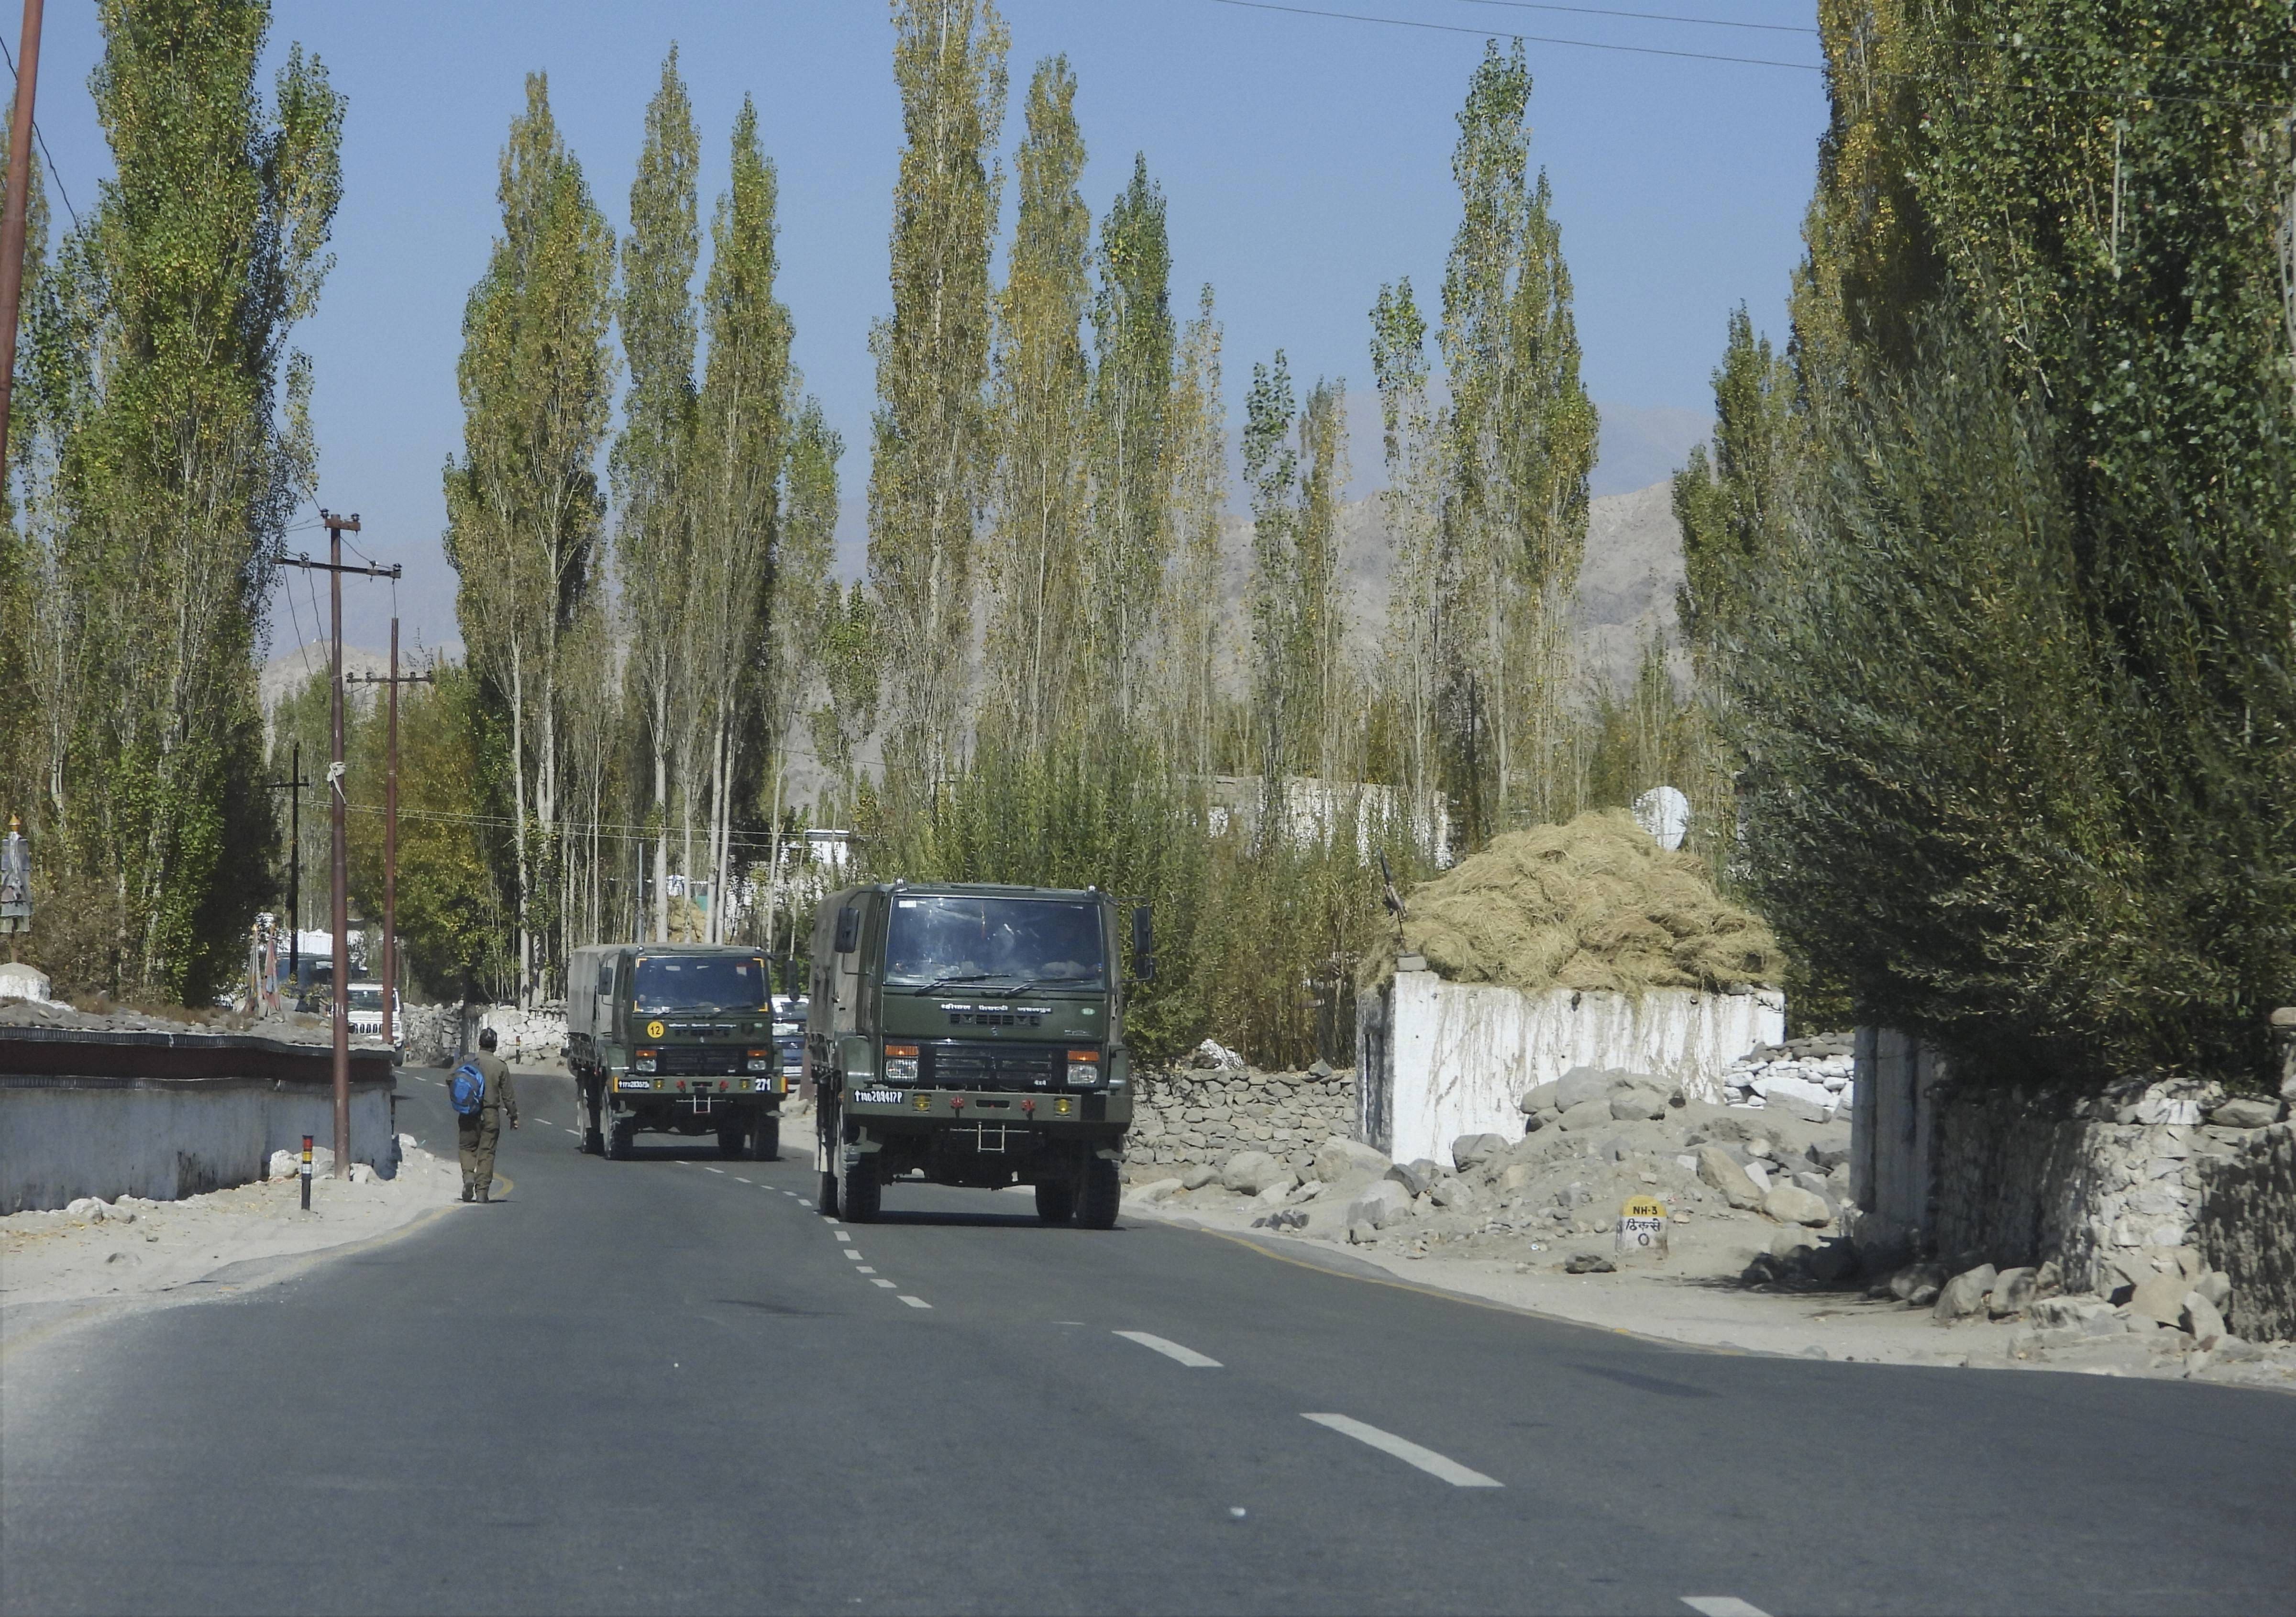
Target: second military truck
[
  {"x": 972, "y": 1035},
  {"x": 675, "y": 1038}
]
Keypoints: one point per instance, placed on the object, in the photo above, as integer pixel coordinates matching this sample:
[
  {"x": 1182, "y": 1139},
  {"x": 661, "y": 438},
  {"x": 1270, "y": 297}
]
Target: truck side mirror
[
  {"x": 848, "y": 929},
  {"x": 1143, "y": 945}
]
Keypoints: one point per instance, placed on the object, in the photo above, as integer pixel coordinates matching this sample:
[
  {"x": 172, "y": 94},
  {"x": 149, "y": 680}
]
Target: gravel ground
[{"x": 63, "y": 1265}]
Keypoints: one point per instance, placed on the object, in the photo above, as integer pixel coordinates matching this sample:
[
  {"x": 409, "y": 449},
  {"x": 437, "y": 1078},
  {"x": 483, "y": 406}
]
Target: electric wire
[
  {"x": 1603, "y": 11},
  {"x": 1766, "y": 62},
  {"x": 9, "y": 56}
]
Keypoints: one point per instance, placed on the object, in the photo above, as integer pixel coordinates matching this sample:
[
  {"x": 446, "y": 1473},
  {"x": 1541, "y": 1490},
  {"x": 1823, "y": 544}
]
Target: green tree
[
  {"x": 1192, "y": 614},
  {"x": 743, "y": 446},
  {"x": 1037, "y": 569},
  {"x": 652, "y": 465},
  {"x": 931, "y": 447},
  {"x": 1520, "y": 448},
  {"x": 1735, "y": 505},
  {"x": 175, "y": 414},
  {"x": 1414, "y": 643},
  {"x": 1132, "y": 389},
  {"x": 524, "y": 511}
]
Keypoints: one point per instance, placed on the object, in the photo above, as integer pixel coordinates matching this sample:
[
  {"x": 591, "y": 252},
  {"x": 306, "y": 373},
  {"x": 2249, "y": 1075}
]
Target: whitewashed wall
[{"x": 1457, "y": 1056}]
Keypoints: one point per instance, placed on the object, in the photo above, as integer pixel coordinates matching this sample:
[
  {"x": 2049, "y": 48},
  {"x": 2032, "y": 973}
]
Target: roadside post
[
  {"x": 1642, "y": 1229},
  {"x": 306, "y": 1173}
]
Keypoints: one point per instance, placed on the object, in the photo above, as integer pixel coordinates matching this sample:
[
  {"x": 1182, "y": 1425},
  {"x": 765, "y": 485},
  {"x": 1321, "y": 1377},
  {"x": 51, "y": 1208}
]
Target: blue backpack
[{"x": 467, "y": 1089}]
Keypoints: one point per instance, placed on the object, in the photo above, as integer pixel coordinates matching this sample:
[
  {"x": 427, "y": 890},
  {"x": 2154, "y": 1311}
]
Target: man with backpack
[{"x": 481, "y": 1093}]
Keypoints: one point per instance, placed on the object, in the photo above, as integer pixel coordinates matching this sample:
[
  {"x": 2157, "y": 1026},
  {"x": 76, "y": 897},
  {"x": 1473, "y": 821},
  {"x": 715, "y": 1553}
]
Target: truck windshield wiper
[
  {"x": 938, "y": 984},
  {"x": 1045, "y": 982}
]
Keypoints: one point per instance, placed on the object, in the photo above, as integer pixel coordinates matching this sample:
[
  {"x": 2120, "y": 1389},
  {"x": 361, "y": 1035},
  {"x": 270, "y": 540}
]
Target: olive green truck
[
  {"x": 972, "y": 1035},
  {"x": 675, "y": 1038}
]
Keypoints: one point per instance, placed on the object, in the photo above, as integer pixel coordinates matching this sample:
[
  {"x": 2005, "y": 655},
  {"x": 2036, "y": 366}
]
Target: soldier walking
[{"x": 479, "y": 1131}]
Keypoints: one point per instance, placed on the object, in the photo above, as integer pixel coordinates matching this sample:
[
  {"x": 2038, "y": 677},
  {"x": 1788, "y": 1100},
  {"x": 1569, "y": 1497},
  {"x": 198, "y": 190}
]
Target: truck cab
[
  {"x": 675, "y": 1038},
  {"x": 971, "y": 1034}
]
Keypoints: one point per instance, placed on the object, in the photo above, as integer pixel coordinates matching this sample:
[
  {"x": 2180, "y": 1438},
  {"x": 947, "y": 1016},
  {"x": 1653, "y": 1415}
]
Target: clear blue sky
[{"x": 1305, "y": 161}]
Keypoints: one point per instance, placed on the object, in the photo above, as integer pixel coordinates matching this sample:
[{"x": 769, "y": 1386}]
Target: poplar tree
[
  {"x": 1193, "y": 612},
  {"x": 806, "y": 602},
  {"x": 742, "y": 445},
  {"x": 1038, "y": 630},
  {"x": 523, "y": 506},
  {"x": 1414, "y": 643},
  {"x": 1132, "y": 388},
  {"x": 931, "y": 447},
  {"x": 1294, "y": 461},
  {"x": 1735, "y": 505},
  {"x": 651, "y": 461},
  {"x": 177, "y": 415},
  {"x": 1520, "y": 445}
]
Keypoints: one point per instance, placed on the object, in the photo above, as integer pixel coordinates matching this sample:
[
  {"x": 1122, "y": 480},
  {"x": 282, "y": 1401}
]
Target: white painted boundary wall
[{"x": 1459, "y": 1055}]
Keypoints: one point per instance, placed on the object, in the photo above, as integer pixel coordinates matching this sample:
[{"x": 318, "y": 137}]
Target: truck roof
[
  {"x": 984, "y": 889},
  {"x": 676, "y": 948}
]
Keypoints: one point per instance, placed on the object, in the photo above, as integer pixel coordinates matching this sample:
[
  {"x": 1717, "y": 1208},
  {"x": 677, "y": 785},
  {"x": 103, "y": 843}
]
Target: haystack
[{"x": 1595, "y": 906}]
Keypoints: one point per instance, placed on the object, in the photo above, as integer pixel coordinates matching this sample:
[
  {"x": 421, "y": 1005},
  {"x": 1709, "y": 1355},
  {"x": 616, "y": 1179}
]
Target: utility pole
[
  {"x": 11, "y": 217},
  {"x": 391, "y": 831},
  {"x": 338, "y": 525},
  {"x": 295, "y": 785}
]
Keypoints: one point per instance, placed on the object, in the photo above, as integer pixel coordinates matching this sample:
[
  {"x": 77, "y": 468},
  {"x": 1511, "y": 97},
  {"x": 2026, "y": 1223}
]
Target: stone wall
[
  {"x": 1206, "y": 1114},
  {"x": 2247, "y": 1229},
  {"x": 436, "y": 1034},
  {"x": 2144, "y": 1177}
]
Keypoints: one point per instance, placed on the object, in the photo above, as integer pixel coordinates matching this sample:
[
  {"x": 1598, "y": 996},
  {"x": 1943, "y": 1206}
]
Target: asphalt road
[{"x": 668, "y": 1384}]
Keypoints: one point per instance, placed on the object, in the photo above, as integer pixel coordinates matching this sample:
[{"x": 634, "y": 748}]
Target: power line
[
  {"x": 1603, "y": 11},
  {"x": 54, "y": 174},
  {"x": 1763, "y": 62}
]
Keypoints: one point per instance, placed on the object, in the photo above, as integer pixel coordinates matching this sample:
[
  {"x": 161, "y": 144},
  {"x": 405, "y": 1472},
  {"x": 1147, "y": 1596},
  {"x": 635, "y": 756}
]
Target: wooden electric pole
[
  {"x": 11, "y": 217},
  {"x": 391, "y": 831},
  {"x": 334, "y": 568}
]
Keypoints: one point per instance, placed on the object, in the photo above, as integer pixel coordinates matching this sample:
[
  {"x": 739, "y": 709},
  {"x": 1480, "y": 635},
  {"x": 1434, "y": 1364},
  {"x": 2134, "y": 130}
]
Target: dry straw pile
[{"x": 1596, "y": 905}]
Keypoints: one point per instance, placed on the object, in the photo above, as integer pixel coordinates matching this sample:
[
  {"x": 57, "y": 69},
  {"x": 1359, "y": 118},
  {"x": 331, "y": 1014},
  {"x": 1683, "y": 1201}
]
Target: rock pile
[
  {"x": 1208, "y": 1114},
  {"x": 1807, "y": 1077},
  {"x": 1767, "y": 1189}
]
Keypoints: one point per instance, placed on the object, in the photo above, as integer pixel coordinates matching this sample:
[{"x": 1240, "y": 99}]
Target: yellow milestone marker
[{"x": 1642, "y": 1228}]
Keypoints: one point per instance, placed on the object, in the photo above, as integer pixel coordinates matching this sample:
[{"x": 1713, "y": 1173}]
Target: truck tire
[
  {"x": 1056, "y": 1201},
  {"x": 767, "y": 1139},
  {"x": 862, "y": 1192},
  {"x": 1104, "y": 1191},
  {"x": 827, "y": 1200},
  {"x": 733, "y": 1141},
  {"x": 618, "y": 1142}
]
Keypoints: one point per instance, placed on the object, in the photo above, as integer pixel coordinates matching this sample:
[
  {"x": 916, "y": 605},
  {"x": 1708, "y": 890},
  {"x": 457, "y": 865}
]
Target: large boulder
[
  {"x": 1472, "y": 1151},
  {"x": 2161, "y": 1298},
  {"x": 1587, "y": 1114},
  {"x": 1636, "y": 1104},
  {"x": 1338, "y": 1160},
  {"x": 1798, "y": 1097},
  {"x": 2246, "y": 1113},
  {"x": 1417, "y": 1175},
  {"x": 1251, "y": 1173},
  {"x": 1454, "y": 1195},
  {"x": 1583, "y": 1084},
  {"x": 1538, "y": 1098},
  {"x": 1964, "y": 1294},
  {"x": 1380, "y": 1205},
  {"x": 1792, "y": 1205},
  {"x": 1199, "y": 1176},
  {"x": 2202, "y": 1318},
  {"x": 2013, "y": 1292},
  {"x": 1716, "y": 1167}
]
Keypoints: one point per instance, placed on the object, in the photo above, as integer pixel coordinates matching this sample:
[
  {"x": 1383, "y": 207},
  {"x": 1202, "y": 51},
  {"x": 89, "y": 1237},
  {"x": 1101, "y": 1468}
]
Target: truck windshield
[
  {"x": 993, "y": 942},
  {"x": 699, "y": 982}
]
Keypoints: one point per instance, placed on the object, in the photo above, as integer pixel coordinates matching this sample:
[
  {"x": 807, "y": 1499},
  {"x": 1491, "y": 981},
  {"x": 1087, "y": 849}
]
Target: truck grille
[
  {"x": 697, "y": 1060},
  {"x": 955, "y": 1065}
]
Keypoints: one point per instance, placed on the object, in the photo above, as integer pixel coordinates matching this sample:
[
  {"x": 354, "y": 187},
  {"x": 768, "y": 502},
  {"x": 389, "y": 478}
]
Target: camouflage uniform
[{"x": 479, "y": 1133}]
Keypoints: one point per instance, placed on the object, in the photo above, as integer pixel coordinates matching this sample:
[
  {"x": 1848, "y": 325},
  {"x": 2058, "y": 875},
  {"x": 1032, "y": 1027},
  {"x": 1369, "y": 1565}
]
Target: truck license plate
[{"x": 879, "y": 1097}]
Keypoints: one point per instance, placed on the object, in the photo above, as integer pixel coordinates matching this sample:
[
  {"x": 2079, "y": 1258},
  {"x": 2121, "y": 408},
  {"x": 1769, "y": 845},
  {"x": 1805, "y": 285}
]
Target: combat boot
[{"x": 468, "y": 1194}]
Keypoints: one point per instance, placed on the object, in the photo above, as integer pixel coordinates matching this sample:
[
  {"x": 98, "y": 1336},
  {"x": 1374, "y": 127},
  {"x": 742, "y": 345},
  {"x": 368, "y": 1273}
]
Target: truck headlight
[
  {"x": 1084, "y": 1068},
  {"x": 900, "y": 1063},
  {"x": 643, "y": 1061},
  {"x": 757, "y": 1060}
]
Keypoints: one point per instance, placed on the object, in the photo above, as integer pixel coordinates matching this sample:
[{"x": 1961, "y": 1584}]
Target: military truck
[
  {"x": 675, "y": 1038},
  {"x": 972, "y": 1035}
]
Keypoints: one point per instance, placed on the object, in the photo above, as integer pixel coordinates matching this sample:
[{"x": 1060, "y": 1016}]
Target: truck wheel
[
  {"x": 1056, "y": 1201},
  {"x": 863, "y": 1193},
  {"x": 827, "y": 1202},
  {"x": 731, "y": 1139},
  {"x": 617, "y": 1143},
  {"x": 1103, "y": 1190},
  {"x": 767, "y": 1139}
]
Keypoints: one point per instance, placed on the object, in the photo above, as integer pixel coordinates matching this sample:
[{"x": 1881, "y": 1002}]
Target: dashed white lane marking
[
  {"x": 1173, "y": 1351},
  {"x": 886, "y": 1283},
  {"x": 865, "y": 1269},
  {"x": 1722, "y": 1605},
  {"x": 738, "y": 1179},
  {"x": 850, "y": 1252},
  {"x": 842, "y": 1236},
  {"x": 914, "y": 1302},
  {"x": 1410, "y": 1453},
  {"x": 717, "y": 1171}
]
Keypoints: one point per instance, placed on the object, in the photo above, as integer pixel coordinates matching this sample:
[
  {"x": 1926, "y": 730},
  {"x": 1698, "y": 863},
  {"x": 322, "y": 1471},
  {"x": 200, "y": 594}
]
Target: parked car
[{"x": 367, "y": 1009}]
